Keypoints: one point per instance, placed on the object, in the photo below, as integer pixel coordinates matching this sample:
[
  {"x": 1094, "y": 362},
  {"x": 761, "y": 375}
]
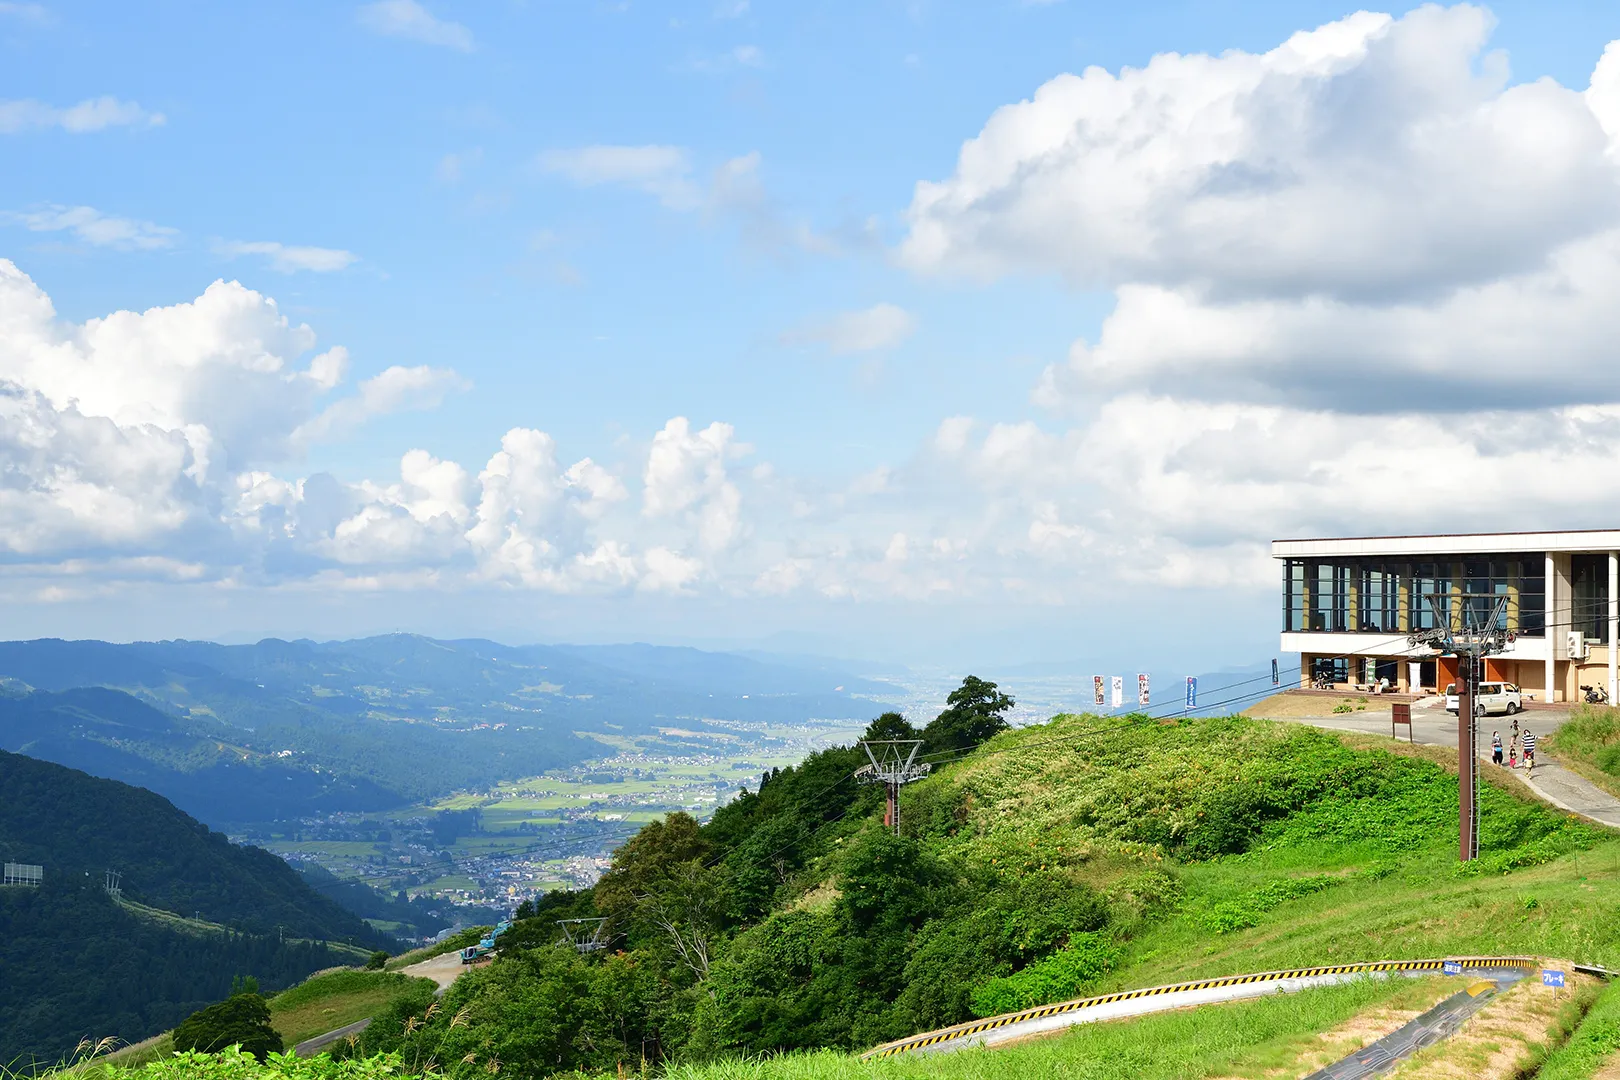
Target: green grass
[
  {"x": 1244, "y": 1039},
  {"x": 337, "y": 998},
  {"x": 1589, "y": 743},
  {"x": 1596, "y": 1042}
]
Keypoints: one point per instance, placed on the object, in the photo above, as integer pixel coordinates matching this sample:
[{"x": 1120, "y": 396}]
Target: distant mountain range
[
  {"x": 279, "y": 729},
  {"x": 76, "y": 962}
]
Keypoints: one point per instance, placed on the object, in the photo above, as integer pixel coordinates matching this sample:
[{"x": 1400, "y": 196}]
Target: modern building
[{"x": 1350, "y": 602}]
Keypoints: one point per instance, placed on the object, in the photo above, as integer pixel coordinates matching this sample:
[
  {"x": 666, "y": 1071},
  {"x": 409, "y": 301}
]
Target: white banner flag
[{"x": 1119, "y": 690}]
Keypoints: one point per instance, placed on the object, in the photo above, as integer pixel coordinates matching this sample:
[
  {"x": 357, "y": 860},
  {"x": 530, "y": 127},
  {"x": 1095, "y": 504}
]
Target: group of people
[{"x": 1520, "y": 745}]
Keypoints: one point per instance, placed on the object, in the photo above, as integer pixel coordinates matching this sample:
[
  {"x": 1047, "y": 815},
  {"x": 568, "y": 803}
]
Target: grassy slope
[
  {"x": 335, "y": 999},
  {"x": 1399, "y": 894},
  {"x": 1393, "y": 888},
  {"x": 324, "y": 1002},
  {"x": 1590, "y": 744},
  {"x": 1596, "y": 1043}
]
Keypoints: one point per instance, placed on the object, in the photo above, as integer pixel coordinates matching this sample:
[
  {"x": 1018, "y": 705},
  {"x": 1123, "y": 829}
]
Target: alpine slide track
[{"x": 1491, "y": 975}]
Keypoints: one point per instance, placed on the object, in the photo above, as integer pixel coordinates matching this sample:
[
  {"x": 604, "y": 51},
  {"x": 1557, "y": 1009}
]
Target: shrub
[
  {"x": 1064, "y": 974},
  {"x": 378, "y": 959},
  {"x": 240, "y": 1020}
]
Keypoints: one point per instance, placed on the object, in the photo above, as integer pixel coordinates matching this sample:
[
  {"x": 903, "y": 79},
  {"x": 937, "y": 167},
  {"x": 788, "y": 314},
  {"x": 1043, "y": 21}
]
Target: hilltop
[
  {"x": 1074, "y": 857},
  {"x": 196, "y": 910}
]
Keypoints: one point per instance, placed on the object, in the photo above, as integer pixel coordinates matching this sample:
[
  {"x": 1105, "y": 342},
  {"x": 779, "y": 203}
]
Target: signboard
[
  {"x": 1451, "y": 967},
  {"x": 1400, "y": 712},
  {"x": 1097, "y": 690},
  {"x": 1274, "y": 673},
  {"x": 1192, "y": 691},
  {"x": 1119, "y": 690},
  {"x": 1142, "y": 695},
  {"x": 1552, "y": 978}
]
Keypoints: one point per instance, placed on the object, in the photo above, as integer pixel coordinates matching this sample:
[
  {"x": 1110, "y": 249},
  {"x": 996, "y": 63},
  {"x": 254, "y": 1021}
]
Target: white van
[{"x": 1493, "y": 697}]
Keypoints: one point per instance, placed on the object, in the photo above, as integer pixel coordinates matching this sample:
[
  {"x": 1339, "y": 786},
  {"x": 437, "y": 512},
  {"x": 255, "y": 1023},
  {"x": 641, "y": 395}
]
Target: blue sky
[{"x": 588, "y": 220}]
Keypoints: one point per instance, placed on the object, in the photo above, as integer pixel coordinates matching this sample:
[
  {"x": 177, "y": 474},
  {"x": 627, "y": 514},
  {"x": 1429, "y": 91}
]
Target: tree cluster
[{"x": 791, "y": 919}]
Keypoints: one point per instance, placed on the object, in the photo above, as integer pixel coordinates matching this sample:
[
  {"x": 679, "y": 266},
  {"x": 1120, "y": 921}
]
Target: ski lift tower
[
  {"x": 1470, "y": 636},
  {"x": 585, "y": 935},
  {"x": 892, "y": 764}
]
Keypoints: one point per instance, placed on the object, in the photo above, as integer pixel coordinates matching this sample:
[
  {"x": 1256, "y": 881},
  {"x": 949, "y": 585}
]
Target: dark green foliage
[
  {"x": 974, "y": 713},
  {"x": 240, "y": 1020},
  {"x": 1063, "y": 975},
  {"x": 76, "y": 964},
  {"x": 891, "y": 726},
  {"x": 72, "y": 824},
  {"x": 524, "y": 910},
  {"x": 377, "y": 961}
]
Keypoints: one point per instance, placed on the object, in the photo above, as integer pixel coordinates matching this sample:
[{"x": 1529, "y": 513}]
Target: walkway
[{"x": 1432, "y": 725}]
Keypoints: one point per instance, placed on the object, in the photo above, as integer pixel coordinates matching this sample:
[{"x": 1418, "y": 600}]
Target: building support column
[
  {"x": 1550, "y": 629},
  {"x": 1614, "y": 625}
]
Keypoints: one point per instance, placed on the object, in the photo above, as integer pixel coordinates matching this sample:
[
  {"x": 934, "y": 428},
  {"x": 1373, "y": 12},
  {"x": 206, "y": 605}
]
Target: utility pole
[
  {"x": 893, "y": 763},
  {"x": 1470, "y": 642}
]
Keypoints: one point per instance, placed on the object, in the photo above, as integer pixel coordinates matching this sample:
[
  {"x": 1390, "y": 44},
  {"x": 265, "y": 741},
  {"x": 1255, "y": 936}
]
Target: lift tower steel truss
[
  {"x": 1459, "y": 631},
  {"x": 893, "y": 763},
  {"x": 585, "y": 935}
]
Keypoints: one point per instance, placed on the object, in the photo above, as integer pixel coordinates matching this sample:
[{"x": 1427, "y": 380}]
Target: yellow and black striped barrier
[{"x": 977, "y": 1027}]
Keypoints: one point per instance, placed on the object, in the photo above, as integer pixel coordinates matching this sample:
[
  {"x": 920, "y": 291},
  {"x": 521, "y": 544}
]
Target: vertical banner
[
  {"x": 1273, "y": 672},
  {"x": 1192, "y": 692},
  {"x": 1142, "y": 695},
  {"x": 1097, "y": 690},
  {"x": 1119, "y": 690}
]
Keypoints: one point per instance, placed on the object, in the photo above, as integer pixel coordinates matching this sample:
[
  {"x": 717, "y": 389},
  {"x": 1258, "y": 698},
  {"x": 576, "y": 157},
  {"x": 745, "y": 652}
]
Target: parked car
[{"x": 1493, "y": 697}]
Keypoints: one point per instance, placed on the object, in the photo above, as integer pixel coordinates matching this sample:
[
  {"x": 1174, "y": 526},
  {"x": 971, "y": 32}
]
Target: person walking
[
  {"x": 1496, "y": 748},
  {"x": 1529, "y": 749}
]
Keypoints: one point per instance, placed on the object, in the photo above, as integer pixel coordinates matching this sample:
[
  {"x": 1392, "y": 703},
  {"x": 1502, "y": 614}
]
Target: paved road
[
  {"x": 311, "y": 1047},
  {"x": 1433, "y": 725}
]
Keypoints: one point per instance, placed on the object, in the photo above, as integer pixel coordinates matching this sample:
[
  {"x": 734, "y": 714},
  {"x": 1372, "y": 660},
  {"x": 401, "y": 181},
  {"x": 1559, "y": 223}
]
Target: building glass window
[
  {"x": 1379, "y": 596},
  {"x": 1589, "y": 574}
]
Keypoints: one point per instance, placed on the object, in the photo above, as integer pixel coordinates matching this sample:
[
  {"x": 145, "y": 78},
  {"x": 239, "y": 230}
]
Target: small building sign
[
  {"x": 16, "y": 873},
  {"x": 1451, "y": 967}
]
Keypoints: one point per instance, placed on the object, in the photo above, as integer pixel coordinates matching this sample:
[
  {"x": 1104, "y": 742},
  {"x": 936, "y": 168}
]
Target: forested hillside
[
  {"x": 75, "y": 963},
  {"x": 1049, "y": 862}
]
